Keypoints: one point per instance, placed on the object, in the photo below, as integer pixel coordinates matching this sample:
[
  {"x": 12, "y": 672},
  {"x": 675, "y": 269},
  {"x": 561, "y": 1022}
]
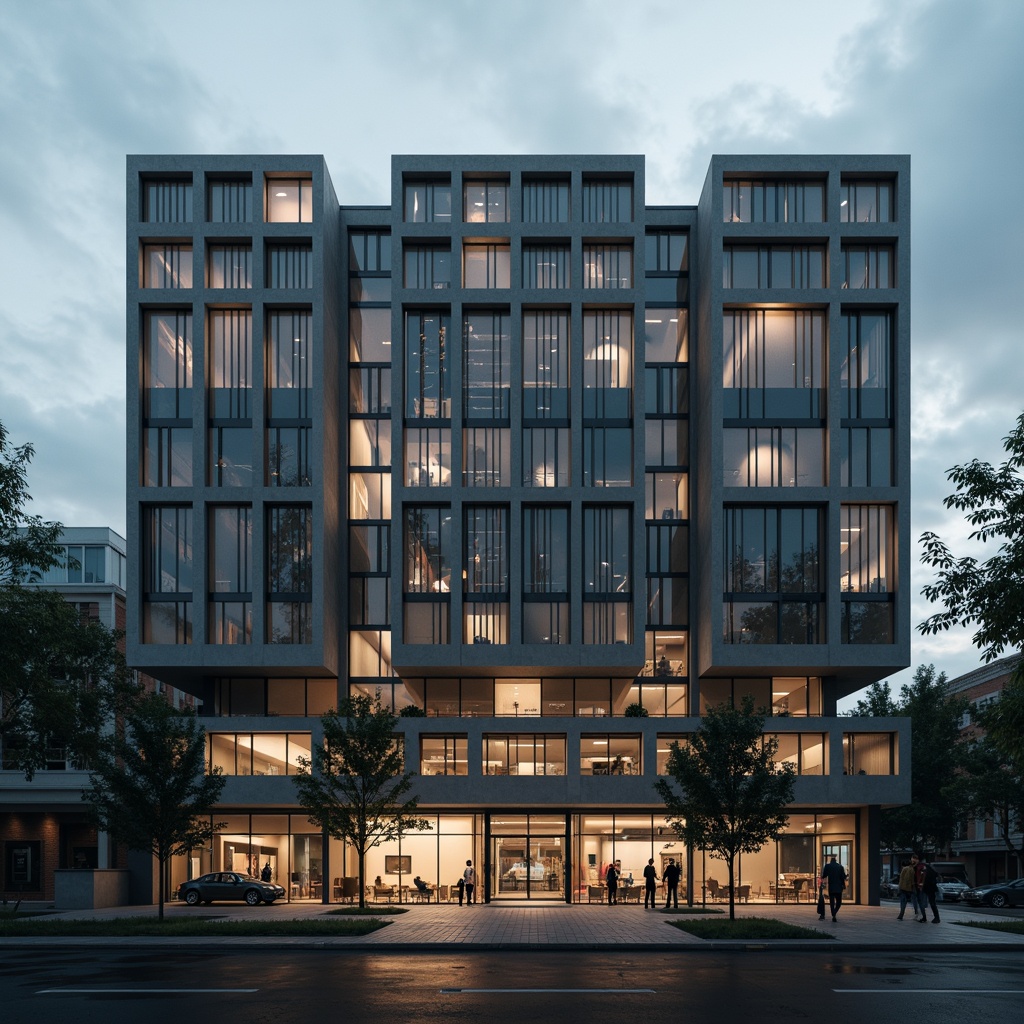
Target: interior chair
[
  {"x": 712, "y": 886},
  {"x": 743, "y": 893}
]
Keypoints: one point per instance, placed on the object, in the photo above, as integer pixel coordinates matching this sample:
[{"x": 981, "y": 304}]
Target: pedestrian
[
  {"x": 266, "y": 874},
  {"x": 461, "y": 886},
  {"x": 833, "y": 875},
  {"x": 908, "y": 890},
  {"x": 671, "y": 875},
  {"x": 469, "y": 877},
  {"x": 650, "y": 878},
  {"x": 611, "y": 877},
  {"x": 927, "y": 886}
]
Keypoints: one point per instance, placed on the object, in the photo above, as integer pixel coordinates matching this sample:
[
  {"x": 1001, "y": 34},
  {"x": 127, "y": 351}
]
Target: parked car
[
  {"x": 950, "y": 889},
  {"x": 996, "y": 894},
  {"x": 229, "y": 885},
  {"x": 890, "y": 888}
]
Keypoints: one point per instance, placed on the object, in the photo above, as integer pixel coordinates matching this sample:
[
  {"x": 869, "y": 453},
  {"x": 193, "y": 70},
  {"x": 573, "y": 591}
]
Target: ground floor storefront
[{"x": 537, "y": 856}]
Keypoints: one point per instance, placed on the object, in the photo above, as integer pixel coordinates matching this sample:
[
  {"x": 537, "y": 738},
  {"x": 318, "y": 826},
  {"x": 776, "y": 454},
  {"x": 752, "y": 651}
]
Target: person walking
[
  {"x": 671, "y": 875},
  {"x": 611, "y": 877},
  {"x": 833, "y": 875},
  {"x": 927, "y": 886},
  {"x": 908, "y": 890},
  {"x": 650, "y": 879},
  {"x": 469, "y": 877}
]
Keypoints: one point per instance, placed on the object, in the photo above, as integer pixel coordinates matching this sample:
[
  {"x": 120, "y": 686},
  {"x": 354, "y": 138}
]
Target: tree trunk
[
  {"x": 731, "y": 862},
  {"x": 160, "y": 873},
  {"x": 362, "y": 879}
]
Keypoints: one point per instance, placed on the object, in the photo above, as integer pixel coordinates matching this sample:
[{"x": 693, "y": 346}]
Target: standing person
[
  {"x": 650, "y": 878},
  {"x": 469, "y": 877},
  {"x": 461, "y": 886},
  {"x": 928, "y": 886},
  {"x": 833, "y": 874},
  {"x": 671, "y": 875},
  {"x": 908, "y": 890},
  {"x": 612, "y": 878},
  {"x": 266, "y": 874}
]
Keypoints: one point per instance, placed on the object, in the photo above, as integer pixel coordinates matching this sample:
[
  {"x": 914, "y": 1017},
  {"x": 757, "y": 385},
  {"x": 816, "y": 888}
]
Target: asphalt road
[{"x": 154, "y": 987}]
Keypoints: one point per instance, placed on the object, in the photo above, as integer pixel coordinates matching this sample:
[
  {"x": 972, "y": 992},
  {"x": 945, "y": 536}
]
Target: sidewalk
[{"x": 433, "y": 928}]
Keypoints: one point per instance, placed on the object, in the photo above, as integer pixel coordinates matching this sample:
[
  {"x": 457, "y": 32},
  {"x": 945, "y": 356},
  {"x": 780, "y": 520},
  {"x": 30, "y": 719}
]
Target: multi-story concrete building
[{"x": 531, "y": 456}]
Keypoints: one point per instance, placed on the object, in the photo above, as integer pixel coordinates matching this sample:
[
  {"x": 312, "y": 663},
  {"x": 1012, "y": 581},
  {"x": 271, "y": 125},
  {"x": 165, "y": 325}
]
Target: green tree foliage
[
  {"x": 725, "y": 792},
  {"x": 28, "y": 546},
  {"x": 355, "y": 786},
  {"x": 988, "y": 594},
  {"x": 929, "y": 821},
  {"x": 149, "y": 786},
  {"x": 61, "y": 678}
]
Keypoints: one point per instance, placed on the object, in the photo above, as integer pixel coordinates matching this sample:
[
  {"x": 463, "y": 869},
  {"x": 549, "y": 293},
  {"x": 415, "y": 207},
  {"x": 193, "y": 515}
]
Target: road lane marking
[
  {"x": 142, "y": 991},
  {"x": 931, "y": 991},
  {"x": 545, "y": 991}
]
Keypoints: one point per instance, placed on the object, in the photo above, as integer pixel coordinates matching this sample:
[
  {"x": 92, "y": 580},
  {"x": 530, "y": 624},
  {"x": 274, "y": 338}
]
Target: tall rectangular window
[
  {"x": 167, "y": 575},
  {"x": 167, "y": 202},
  {"x": 289, "y": 574},
  {"x": 230, "y": 266},
  {"x": 545, "y": 201},
  {"x": 289, "y": 266},
  {"x": 290, "y": 364},
  {"x": 428, "y": 378},
  {"x": 607, "y": 266},
  {"x": 773, "y": 201},
  {"x": 774, "y": 576},
  {"x": 289, "y": 201},
  {"x": 545, "y": 552},
  {"x": 546, "y": 365},
  {"x": 229, "y": 583},
  {"x": 486, "y": 456},
  {"x": 166, "y": 456},
  {"x": 167, "y": 365},
  {"x": 167, "y": 265},
  {"x": 370, "y": 252},
  {"x": 866, "y": 374},
  {"x": 427, "y": 575},
  {"x": 866, "y": 202},
  {"x": 667, "y": 252},
  {"x": 773, "y": 364},
  {"x": 546, "y": 457},
  {"x": 486, "y": 367},
  {"x": 486, "y": 266},
  {"x": 867, "y": 573},
  {"x": 485, "y": 574},
  {"x": 229, "y": 201},
  {"x": 428, "y": 202},
  {"x": 607, "y": 364},
  {"x": 485, "y": 202},
  {"x": 229, "y": 379},
  {"x": 607, "y": 201},
  {"x": 546, "y": 266},
  {"x": 607, "y": 575}
]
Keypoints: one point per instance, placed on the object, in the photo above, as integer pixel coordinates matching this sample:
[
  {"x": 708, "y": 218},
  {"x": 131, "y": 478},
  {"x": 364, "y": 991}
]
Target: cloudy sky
[{"x": 85, "y": 82}]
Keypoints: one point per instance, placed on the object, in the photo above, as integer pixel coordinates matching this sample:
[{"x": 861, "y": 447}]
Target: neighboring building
[
  {"x": 981, "y": 845},
  {"x": 524, "y": 452},
  {"x": 43, "y": 823}
]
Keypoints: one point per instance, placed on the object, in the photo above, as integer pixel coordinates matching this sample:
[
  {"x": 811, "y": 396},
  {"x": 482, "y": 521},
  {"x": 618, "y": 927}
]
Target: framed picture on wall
[{"x": 397, "y": 865}]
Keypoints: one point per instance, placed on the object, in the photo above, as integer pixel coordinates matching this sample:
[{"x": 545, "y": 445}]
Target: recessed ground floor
[{"x": 536, "y": 855}]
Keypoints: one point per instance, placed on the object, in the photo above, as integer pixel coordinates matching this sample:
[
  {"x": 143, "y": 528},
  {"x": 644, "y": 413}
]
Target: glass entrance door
[{"x": 528, "y": 867}]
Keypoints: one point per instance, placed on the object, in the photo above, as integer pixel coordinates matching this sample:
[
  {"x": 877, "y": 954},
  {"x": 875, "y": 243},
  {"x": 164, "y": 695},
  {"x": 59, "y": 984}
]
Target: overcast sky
[{"x": 85, "y": 82}]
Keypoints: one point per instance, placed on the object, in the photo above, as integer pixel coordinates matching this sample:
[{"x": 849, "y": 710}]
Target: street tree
[
  {"x": 986, "y": 594},
  {"x": 355, "y": 785},
  {"x": 930, "y": 820},
  {"x": 725, "y": 792},
  {"x": 149, "y": 786},
  {"x": 62, "y": 676}
]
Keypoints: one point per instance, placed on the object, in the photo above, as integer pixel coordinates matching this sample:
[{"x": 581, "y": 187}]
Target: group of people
[
  {"x": 671, "y": 875},
  {"x": 919, "y": 883}
]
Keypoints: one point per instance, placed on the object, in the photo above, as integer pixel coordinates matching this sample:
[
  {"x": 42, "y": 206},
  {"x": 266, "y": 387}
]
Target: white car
[
  {"x": 950, "y": 889},
  {"x": 520, "y": 871}
]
